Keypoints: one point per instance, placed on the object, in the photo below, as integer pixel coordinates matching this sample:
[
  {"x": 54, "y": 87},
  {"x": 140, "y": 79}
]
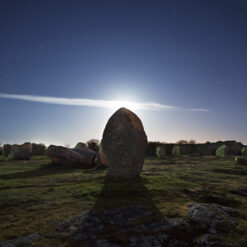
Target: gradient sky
[{"x": 188, "y": 55}]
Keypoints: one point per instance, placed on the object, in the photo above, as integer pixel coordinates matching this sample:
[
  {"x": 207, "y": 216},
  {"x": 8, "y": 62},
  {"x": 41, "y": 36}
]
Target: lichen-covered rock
[
  {"x": 65, "y": 156},
  {"x": 124, "y": 144},
  {"x": 161, "y": 151},
  {"x": 6, "y": 149},
  {"x": 212, "y": 217},
  {"x": 222, "y": 151}
]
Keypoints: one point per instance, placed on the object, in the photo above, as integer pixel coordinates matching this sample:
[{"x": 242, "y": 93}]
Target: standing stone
[
  {"x": 222, "y": 151},
  {"x": 161, "y": 151},
  {"x": 176, "y": 151},
  {"x": 124, "y": 144},
  {"x": 244, "y": 151}
]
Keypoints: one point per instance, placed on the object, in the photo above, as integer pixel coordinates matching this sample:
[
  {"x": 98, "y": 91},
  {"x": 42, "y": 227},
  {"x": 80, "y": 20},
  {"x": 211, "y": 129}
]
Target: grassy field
[{"x": 35, "y": 195}]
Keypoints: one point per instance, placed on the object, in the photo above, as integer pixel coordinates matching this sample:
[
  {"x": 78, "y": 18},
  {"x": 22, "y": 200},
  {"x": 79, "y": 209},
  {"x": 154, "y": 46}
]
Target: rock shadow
[{"x": 124, "y": 214}]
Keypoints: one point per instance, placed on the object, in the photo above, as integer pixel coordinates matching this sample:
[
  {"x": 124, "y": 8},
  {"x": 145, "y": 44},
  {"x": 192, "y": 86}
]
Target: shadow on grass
[
  {"x": 43, "y": 170},
  {"x": 120, "y": 192}
]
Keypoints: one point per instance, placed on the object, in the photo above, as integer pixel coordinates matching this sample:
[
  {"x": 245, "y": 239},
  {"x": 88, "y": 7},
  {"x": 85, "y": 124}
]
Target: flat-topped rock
[{"x": 124, "y": 144}]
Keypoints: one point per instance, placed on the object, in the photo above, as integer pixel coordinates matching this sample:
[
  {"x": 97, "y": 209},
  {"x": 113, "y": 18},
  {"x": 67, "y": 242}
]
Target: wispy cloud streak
[{"x": 94, "y": 102}]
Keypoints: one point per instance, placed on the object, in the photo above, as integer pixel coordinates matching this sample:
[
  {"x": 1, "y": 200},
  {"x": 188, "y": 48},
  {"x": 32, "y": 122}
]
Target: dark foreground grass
[{"x": 35, "y": 195}]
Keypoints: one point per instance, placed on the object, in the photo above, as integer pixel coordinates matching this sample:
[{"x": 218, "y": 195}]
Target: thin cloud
[
  {"x": 198, "y": 109},
  {"x": 93, "y": 102}
]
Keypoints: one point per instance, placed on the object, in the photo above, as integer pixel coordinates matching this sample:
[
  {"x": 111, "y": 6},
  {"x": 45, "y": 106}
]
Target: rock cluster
[
  {"x": 124, "y": 144},
  {"x": 64, "y": 156}
]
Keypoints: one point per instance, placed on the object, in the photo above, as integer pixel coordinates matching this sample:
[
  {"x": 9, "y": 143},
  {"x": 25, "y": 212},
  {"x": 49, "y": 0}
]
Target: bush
[{"x": 38, "y": 149}]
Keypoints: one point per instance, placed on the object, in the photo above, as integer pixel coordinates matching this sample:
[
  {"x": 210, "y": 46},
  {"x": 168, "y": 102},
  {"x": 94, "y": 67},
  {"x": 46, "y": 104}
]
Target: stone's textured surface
[
  {"x": 209, "y": 240},
  {"x": 21, "y": 241},
  {"x": 241, "y": 160},
  {"x": 212, "y": 217},
  {"x": 93, "y": 144},
  {"x": 222, "y": 151},
  {"x": 65, "y": 156},
  {"x": 161, "y": 151},
  {"x": 124, "y": 143},
  {"x": 6, "y": 150},
  {"x": 38, "y": 149},
  {"x": 80, "y": 145},
  {"x": 132, "y": 222}
]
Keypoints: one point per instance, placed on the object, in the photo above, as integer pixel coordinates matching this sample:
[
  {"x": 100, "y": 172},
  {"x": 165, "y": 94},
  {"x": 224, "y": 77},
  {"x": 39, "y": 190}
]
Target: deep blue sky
[{"x": 188, "y": 54}]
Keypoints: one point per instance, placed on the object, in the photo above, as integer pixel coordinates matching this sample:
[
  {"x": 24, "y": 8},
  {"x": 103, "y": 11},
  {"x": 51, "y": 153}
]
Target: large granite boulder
[
  {"x": 65, "y": 156},
  {"x": 161, "y": 151},
  {"x": 222, "y": 151},
  {"x": 38, "y": 149},
  {"x": 20, "y": 152},
  {"x": 6, "y": 149},
  {"x": 124, "y": 144}
]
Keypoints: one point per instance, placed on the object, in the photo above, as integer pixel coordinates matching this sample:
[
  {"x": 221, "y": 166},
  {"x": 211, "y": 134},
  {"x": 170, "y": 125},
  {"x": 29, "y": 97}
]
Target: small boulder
[
  {"x": 65, "y": 156},
  {"x": 222, "y": 151},
  {"x": 124, "y": 144},
  {"x": 212, "y": 217}
]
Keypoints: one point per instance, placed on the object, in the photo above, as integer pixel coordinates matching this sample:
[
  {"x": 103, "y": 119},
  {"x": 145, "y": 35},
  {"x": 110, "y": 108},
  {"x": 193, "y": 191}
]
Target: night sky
[{"x": 189, "y": 58}]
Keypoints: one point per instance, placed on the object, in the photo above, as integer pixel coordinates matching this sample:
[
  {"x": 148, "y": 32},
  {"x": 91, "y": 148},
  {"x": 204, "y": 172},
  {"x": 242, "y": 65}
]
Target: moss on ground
[{"x": 35, "y": 195}]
